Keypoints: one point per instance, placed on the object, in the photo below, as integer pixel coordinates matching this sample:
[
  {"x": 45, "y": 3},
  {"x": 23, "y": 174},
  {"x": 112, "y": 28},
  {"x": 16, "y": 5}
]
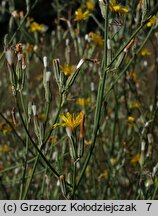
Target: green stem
[
  {"x": 23, "y": 106},
  {"x": 97, "y": 22},
  {"x": 114, "y": 126},
  {"x": 31, "y": 177},
  {"x": 99, "y": 98},
  {"x": 25, "y": 162},
  {"x": 74, "y": 180},
  {"x": 47, "y": 114}
]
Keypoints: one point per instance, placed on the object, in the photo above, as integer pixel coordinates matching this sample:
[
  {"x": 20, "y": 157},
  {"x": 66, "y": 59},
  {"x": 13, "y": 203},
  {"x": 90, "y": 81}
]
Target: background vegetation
[{"x": 78, "y": 93}]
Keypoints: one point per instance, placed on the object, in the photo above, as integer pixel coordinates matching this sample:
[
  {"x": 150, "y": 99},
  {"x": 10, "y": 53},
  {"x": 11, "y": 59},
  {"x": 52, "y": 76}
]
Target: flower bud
[
  {"x": 142, "y": 155},
  {"x": 55, "y": 156},
  {"x": 29, "y": 109},
  {"x": 63, "y": 184},
  {"x": 80, "y": 64},
  {"x": 129, "y": 45},
  {"x": 155, "y": 168},
  {"x": 108, "y": 44},
  {"x": 24, "y": 62},
  {"x": 67, "y": 41},
  {"x": 19, "y": 56},
  {"x": 48, "y": 75},
  {"x": 34, "y": 110},
  {"x": 92, "y": 86},
  {"x": 9, "y": 56},
  {"x": 45, "y": 62},
  {"x": 82, "y": 126},
  {"x": 69, "y": 132},
  {"x": 102, "y": 4},
  {"x": 145, "y": 63},
  {"x": 150, "y": 138},
  {"x": 47, "y": 180}
]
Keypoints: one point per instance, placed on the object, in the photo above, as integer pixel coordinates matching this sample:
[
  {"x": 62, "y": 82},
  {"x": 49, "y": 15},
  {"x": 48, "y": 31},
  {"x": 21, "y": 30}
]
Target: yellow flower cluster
[
  {"x": 96, "y": 38},
  {"x": 67, "y": 69}
]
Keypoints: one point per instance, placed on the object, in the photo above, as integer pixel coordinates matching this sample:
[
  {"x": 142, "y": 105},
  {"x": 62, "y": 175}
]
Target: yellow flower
[
  {"x": 90, "y": 5},
  {"x": 145, "y": 52},
  {"x": 135, "y": 105},
  {"x": 4, "y": 148},
  {"x": 133, "y": 76},
  {"x": 36, "y": 27},
  {"x": 114, "y": 7},
  {"x": 70, "y": 121},
  {"x": 83, "y": 102},
  {"x": 103, "y": 175},
  {"x": 5, "y": 128},
  {"x": 135, "y": 159},
  {"x": 80, "y": 15},
  {"x": 67, "y": 69},
  {"x": 152, "y": 21},
  {"x": 131, "y": 120},
  {"x": 96, "y": 38}
]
